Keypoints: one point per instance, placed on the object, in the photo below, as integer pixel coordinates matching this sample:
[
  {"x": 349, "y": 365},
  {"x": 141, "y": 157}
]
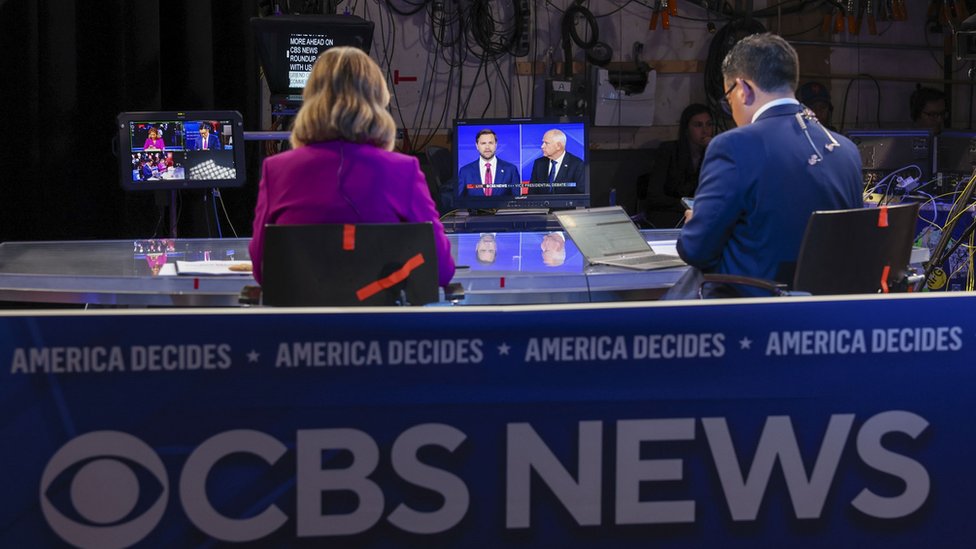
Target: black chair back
[
  {"x": 856, "y": 251},
  {"x": 349, "y": 265}
]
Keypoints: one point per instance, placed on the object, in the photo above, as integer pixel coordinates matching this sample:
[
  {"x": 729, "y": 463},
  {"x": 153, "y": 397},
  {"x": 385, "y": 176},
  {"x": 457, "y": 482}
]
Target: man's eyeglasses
[
  {"x": 724, "y": 102},
  {"x": 935, "y": 114}
]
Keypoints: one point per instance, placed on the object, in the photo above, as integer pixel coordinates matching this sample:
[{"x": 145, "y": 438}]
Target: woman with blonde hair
[
  {"x": 154, "y": 142},
  {"x": 342, "y": 168}
]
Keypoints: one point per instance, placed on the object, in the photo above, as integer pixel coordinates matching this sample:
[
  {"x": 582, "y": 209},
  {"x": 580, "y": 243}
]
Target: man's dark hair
[
  {"x": 766, "y": 59},
  {"x": 920, "y": 97},
  {"x": 486, "y": 131}
]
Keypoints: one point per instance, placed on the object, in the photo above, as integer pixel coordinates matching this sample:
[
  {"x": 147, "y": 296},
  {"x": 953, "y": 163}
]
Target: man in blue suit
[
  {"x": 208, "y": 140},
  {"x": 488, "y": 175},
  {"x": 760, "y": 182}
]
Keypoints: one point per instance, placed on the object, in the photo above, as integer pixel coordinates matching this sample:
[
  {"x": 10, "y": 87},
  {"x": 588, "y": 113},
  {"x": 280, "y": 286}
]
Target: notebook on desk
[{"x": 607, "y": 236}]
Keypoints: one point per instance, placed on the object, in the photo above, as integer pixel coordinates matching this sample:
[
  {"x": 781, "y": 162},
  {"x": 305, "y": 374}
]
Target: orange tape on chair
[
  {"x": 398, "y": 276},
  {"x": 883, "y": 216},
  {"x": 348, "y": 237}
]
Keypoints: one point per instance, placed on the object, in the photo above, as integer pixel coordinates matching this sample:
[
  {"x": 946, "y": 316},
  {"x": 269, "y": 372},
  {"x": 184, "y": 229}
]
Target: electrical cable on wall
[
  {"x": 721, "y": 43},
  {"x": 843, "y": 112},
  {"x": 417, "y": 6}
]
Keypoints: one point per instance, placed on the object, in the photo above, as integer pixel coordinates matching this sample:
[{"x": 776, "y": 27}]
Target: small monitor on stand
[{"x": 173, "y": 150}]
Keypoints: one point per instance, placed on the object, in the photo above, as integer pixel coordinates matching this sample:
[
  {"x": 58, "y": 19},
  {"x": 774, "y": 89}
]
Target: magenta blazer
[{"x": 342, "y": 182}]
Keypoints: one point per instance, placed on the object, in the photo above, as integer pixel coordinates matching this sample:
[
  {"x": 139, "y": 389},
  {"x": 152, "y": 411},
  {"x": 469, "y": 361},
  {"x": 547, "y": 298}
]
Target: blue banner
[{"x": 800, "y": 422}]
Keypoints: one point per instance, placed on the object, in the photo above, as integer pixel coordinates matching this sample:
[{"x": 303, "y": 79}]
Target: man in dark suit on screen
[
  {"x": 208, "y": 140},
  {"x": 488, "y": 175},
  {"x": 557, "y": 171}
]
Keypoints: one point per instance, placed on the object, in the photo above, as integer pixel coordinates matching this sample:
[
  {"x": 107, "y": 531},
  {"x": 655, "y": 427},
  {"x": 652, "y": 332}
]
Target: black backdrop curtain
[{"x": 68, "y": 68}]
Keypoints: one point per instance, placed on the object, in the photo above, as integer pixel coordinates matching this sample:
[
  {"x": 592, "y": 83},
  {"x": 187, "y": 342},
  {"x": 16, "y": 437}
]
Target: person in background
[
  {"x": 342, "y": 168},
  {"x": 816, "y": 97},
  {"x": 674, "y": 173},
  {"x": 145, "y": 169},
  {"x": 761, "y": 181},
  {"x": 928, "y": 109}
]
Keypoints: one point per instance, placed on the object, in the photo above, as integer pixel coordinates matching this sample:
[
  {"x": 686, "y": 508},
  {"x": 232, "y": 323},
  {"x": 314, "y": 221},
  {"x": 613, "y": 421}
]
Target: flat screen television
[
  {"x": 955, "y": 153},
  {"x": 521, "y": 176},
  {"x": 885, "y": 151},
  {"x": 288, "y": 45},
  {"x": 181, "y": 150}
]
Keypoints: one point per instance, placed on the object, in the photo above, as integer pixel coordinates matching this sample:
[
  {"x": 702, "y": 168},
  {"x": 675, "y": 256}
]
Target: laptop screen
[{"x": 603, "y": 232}]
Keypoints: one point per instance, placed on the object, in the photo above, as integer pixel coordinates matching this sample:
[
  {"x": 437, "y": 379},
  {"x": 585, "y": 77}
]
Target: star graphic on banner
[
  {"x": 745, "y": 344},
  {"x": 253, "y": 356},
  {"x": 503, "y": 349}
]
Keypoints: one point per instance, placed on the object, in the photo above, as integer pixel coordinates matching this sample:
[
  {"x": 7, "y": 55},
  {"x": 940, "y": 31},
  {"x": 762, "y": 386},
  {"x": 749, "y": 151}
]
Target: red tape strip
[
  {"x": 399, "y": 275},
  {"x": 884, "y": 278},
  {"x": 883, "y": 216},
  {"x": 348, "y": 237}
]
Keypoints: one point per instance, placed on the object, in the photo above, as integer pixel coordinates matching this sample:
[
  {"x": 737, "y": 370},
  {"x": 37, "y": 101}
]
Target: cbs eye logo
[{"x": 95, "y": 480}]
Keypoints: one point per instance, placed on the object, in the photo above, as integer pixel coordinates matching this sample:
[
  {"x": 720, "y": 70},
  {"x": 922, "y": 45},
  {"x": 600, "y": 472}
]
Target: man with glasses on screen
[
  {"x": 760, "y": 182},
  {"x": 208, "y": 140}
]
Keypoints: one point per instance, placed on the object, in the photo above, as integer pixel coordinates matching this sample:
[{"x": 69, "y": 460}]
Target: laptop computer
[{"x": 607, "y": 236}]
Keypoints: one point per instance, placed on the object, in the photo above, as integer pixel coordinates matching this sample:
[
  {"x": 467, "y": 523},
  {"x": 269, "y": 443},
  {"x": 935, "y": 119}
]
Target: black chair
[
  {"x": 349, "y": 265},
  {"x": 857, "y": 251}
]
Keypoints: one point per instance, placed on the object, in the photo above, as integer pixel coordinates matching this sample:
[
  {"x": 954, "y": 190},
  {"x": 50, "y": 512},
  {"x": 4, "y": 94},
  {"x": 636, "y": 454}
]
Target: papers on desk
[
  {"x": 213, "y": 268},
  {"x": 667, "y": 247}
]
